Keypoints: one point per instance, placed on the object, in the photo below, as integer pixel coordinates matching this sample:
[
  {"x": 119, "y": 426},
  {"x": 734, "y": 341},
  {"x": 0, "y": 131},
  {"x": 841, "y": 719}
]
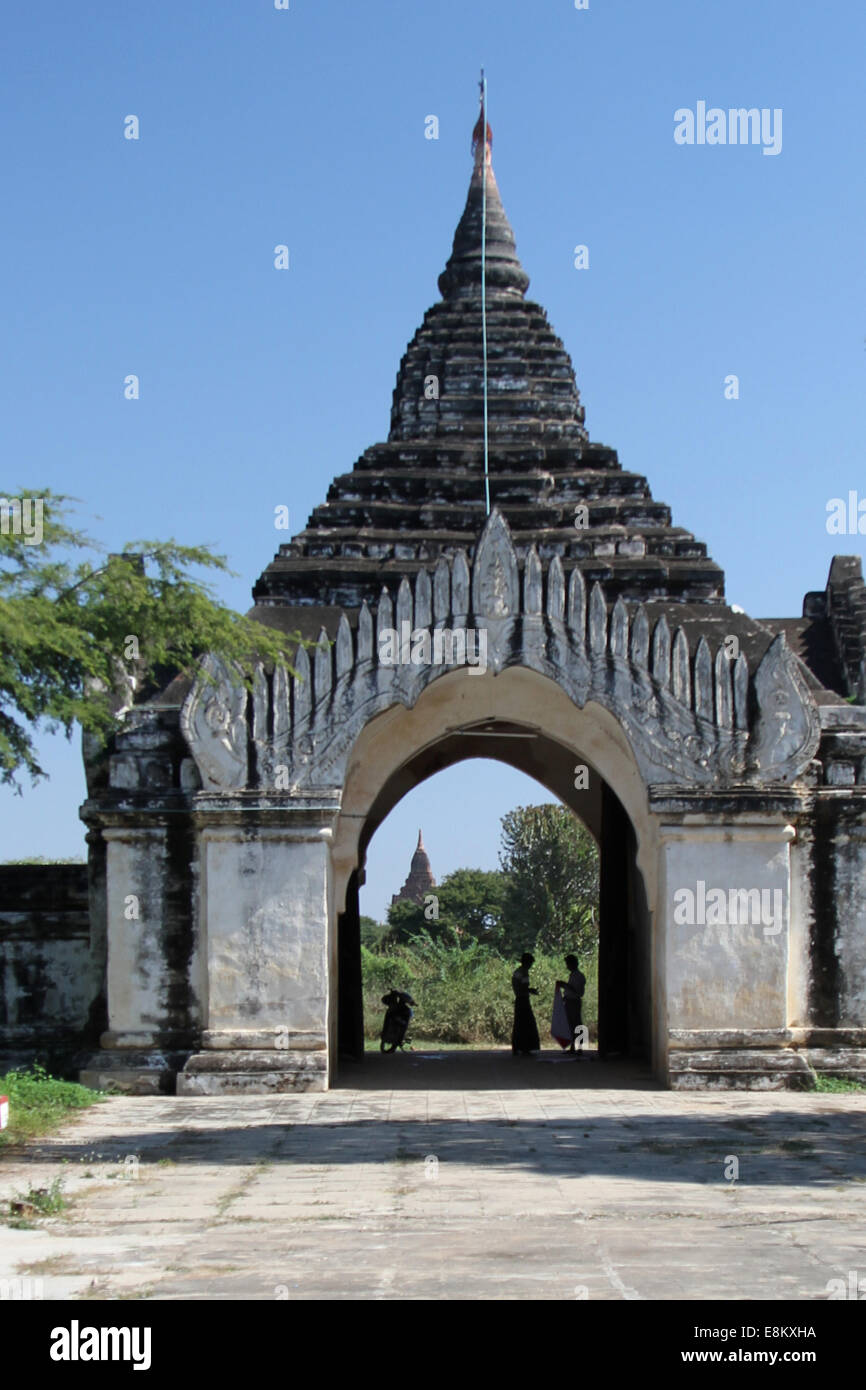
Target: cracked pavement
[{"x": 451, "y": 1176}]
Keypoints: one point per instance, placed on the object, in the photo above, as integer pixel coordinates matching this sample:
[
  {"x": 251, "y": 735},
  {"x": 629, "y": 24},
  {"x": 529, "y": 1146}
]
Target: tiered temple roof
[
  {"x": 421, "y": 495},
  {"x": 420, "y": 880}
]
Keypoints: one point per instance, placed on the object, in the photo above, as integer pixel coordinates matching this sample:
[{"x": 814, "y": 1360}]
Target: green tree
[
  {"x": 82, "y": 633},
  {"x": 467, "y": 903},
  {"x": 471, "y": 902},
  {"x": 407, "y": 920},
  {"x": 372, "y": 932},
  {"x": 551, "y": 862}
]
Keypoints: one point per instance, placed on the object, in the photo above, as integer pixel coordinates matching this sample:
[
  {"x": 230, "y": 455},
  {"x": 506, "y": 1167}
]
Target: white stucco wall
[
  {"x": 264, "y": 909},
  {"x": 135, "y": 883},
  {"x": 727, "y": 975}
]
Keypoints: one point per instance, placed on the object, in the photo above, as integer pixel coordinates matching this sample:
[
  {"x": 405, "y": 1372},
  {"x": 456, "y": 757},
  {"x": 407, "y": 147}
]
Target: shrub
[
  {"x": 838, "y": 1084},
  {"x": 37, "y": 1102},
  {"x": 462, "y": 989}
]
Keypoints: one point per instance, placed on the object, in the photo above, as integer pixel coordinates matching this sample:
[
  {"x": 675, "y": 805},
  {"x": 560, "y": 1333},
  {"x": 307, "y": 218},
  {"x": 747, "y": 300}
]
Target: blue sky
[{"x": 306, "y": 127}]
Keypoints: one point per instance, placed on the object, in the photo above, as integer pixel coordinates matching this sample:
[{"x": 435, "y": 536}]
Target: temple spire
[
  {"x": 420, "y": 879},
  {"x": 504, "y": 273},
  {"x": 477, "y": 149}
]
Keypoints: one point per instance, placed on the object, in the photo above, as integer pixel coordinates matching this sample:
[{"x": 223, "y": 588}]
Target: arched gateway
[{"x": 571, "y": 628}]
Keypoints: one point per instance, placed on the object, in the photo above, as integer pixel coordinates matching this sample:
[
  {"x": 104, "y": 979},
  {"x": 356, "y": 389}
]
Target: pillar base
[
  {"x": 740, "y": 1069},
  {"x": 846, "y": 1063},
  {"x": 253, "y": 1072},
  {"x": 763, "y": 1069},
  {"x": 132, "y": 1073}
]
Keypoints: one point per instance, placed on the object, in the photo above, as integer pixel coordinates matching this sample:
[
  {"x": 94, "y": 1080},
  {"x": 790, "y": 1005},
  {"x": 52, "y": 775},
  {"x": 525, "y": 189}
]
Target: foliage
[
  {"x": 468, "y": 902},
  {"x": 46, "y": 1201},
  {"x": 462, "y": 989},
  {"x": 372, "y": 932},
  {"x": 838, "y": 1084},
  {"x": 406, "y": 920},
  {"x": 65, "y": 627},
  {"x": 552, "y": 867},
  {"x": 544, "y": 897},
  {"x": 38, "y": 1102},
  {"x": 472, "y": 901}
]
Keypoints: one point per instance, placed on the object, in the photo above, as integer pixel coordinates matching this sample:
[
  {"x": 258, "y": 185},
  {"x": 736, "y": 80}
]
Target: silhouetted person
[
  {"x": 524, "y": 1036},
  {"x": 397, "y": 1019},
  {"x": 572, "y": 992}
]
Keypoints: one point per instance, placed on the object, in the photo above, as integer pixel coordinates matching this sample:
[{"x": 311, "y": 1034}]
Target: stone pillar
[
  {"x": 834, "y": 1034},
  {"x": 147, "y": 1036},
  {"x": 135, "y": 895},
  {"x": 802, "y": 913},
  {"x": 613, "y": 1012},
  {"x": 97, "y": 1019},
  {"x": 350, "y": 1027},
  {"x": 264, "y": 897},
  {"x": 850, "y": 903},
  {"x": 726, "y": 902}
]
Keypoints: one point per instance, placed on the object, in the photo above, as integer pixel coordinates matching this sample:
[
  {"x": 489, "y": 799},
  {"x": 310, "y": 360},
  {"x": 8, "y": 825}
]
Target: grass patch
[
  {"x": 40, "y": 1201},
  {"x": 25, "y": 1207},
  {"x": 39, "y": 1102},
  {"x": 837, "y": 1084},
  {"x": 57, "y": 1264}
]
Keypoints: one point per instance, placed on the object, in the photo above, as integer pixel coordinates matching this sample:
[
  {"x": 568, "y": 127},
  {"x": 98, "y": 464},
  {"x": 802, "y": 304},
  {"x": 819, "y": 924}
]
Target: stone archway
[
  {"x": 461, "y": 718},
  {"x": 226, "y": 814},
  {"x": 291, "y": 773}
]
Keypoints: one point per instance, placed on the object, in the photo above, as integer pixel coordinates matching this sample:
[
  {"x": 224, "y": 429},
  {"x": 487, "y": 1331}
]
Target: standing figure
[
  {"x": 572, "y": 992},
  {"x": 524, "y": 1036},
  {"x": 397, "y": 1019}
]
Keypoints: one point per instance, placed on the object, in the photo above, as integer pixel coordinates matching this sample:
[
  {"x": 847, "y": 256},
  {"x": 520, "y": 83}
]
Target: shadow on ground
[
  {"x": 425, "y": 1069},
  {"x": 777, "y": 1147}
]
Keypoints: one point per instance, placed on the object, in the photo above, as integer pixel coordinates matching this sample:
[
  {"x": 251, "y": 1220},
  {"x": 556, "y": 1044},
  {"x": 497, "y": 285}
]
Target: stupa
[
  {"x": 420, "y": 495},
  {"x": 420, "y": 880}
]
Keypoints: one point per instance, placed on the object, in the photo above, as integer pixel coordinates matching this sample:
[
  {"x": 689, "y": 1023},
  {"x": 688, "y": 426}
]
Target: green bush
[
  {"x": 37, "y": 1102},
  {"x": 462, "y": 989},
  {"x": 839, "y": 1084}
]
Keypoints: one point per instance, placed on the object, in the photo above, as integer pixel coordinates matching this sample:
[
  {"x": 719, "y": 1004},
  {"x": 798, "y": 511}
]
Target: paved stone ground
[{"x": 465, "y": 1176}]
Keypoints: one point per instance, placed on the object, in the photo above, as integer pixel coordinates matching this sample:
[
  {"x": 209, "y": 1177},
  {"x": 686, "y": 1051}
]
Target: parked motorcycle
[{"x": 397, "y": 1017}]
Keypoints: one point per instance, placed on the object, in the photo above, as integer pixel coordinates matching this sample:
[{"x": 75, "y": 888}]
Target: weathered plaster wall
[
  {"x": 151, "y": 950},
  {"x": 264, "y": 914},
  {"x": 801, "y": 925},
  {"x": 727, "y": 975},
  {"x": 47, "y": 976},
  {"x": 849, "y": 875}
]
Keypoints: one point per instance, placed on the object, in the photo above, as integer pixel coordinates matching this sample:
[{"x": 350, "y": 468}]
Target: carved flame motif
[
  {"x": 217, "y": 714},
  {"x": 787, "y": 730},
  {"x": 495, "y": 578},
  {"x": 214, "y": 724},
  {"x": 685, "y": 714}
]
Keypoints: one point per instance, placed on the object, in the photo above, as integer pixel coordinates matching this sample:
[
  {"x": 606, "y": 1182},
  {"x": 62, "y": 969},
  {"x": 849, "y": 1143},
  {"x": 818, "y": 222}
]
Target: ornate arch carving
[{"x": 686, "y": 713}]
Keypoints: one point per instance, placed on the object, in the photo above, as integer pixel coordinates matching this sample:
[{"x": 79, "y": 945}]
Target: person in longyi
[
  {"x": 572, "y": 992},
  {"x": 524, "y": 1036}
]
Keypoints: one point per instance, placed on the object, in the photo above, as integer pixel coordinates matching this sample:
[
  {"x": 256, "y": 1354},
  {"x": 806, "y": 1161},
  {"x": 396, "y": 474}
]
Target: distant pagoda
[{"x": 420, "y": 880}]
